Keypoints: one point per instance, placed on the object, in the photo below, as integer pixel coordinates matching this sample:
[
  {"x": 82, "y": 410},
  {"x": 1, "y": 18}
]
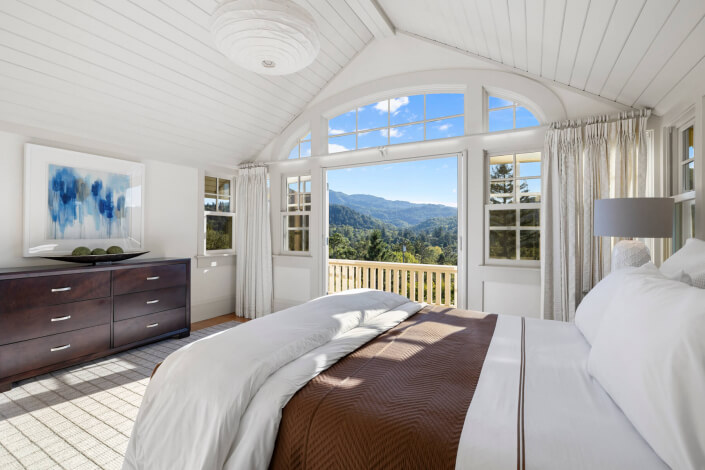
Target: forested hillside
[{"x": 370, "y": 228}]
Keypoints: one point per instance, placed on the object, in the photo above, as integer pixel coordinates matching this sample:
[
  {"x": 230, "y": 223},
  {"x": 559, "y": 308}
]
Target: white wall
[{"x": 171, "y": 222}]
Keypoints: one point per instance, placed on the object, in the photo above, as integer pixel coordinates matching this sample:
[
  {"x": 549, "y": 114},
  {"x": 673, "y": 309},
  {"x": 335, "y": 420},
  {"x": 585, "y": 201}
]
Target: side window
[
  {"x": 219, "y": 212},
  {"x": 297, "y": 204},
  {"x": 684, "y": 183},
  {"x": 512, "y": 211},
  {"x": 503, "y": 114}
]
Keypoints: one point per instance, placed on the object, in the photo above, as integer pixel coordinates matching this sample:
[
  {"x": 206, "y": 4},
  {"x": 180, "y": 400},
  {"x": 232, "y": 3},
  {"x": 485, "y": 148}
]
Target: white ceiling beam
[{"x": 374, "y": 17}]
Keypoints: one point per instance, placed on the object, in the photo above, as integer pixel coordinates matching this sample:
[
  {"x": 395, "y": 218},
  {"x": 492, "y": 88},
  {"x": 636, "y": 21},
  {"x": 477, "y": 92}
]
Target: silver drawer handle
[
  {"x": 61, "y": 289},
  {"x": 61, "y": 318},
  {"x": 153, "y": 278},
  {"x": 150, "y": 302},
  {"x": 152, "y": 325},
  {"x": 59, "y": 348}
]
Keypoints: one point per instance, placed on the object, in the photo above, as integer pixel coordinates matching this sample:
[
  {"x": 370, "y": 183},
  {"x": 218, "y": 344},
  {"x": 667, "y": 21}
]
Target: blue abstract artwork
[{"x": 87, "y": 204}]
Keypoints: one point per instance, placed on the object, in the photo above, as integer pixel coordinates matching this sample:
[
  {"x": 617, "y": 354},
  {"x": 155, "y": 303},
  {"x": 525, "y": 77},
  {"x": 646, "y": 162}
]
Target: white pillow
[
  {"x": 590, "y": 312},
  {"x": 698, "y": 279},
  {"x": 650, "y": 358},
  {"x": 690, "y": 258}
]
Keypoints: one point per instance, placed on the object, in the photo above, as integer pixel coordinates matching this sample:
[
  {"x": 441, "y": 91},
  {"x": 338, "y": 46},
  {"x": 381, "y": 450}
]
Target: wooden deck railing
[{"x": 430, "y": 283}]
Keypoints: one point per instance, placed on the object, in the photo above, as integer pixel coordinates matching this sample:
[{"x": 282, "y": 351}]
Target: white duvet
[{"x": 217, "y": 403}]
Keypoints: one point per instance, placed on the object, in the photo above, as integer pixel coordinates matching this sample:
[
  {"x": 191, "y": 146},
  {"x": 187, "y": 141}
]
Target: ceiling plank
[
  {"x": 575, "y": 19},
  {"x": 596, "y": 23},
  {"x": 553, "y": 23},
  {"x": 374, "y": 17},
  {"x": 534, "y": 36}
]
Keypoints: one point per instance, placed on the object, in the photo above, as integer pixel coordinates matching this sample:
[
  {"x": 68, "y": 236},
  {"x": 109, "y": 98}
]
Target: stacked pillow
[{"x": 648, "y": 352}]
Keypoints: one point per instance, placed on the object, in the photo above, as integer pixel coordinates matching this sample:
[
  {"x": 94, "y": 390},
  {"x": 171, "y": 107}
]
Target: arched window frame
[
  {"x": 302, "y": 149},
  {"x": 515, "y": 102}
]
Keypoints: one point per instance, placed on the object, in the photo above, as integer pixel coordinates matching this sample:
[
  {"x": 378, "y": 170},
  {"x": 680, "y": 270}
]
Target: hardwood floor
[{"x": 199, "y": 325}]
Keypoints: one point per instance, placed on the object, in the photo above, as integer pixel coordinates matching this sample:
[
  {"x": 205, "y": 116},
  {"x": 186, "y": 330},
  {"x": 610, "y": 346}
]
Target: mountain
[
  {"x": 401, "y": 214},
  {"x": 342, "y": 215},
  {"x": 428, "y": 226}
]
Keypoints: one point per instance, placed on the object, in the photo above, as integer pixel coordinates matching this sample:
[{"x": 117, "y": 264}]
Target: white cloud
[
  {"x": 444, "y": 127},
  {"x": 396, "y": 132},
  {"x": 335, "y": 148},
  {"x": 332, "y": 131},
  {"x": 381, "y": 107},
  {"x": 396, "y": 103}
]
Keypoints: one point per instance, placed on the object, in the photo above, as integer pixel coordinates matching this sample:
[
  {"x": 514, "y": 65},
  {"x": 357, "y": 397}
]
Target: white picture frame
[{"x": 74, "y": 199}]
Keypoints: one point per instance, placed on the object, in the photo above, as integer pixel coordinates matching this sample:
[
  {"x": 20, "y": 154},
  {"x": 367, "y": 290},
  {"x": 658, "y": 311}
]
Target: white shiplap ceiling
[
  {"x": 634, "y": 52},
  {"x": 142, "y": 77}
]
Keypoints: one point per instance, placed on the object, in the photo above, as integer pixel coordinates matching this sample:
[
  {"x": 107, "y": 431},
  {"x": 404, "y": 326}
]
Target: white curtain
[
  {"x": 253, "y": 284},
  {"x": 600, "y": 158}
]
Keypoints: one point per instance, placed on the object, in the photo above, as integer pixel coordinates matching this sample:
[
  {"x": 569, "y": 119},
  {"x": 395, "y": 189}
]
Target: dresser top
[{"x": 66, "y": 267}]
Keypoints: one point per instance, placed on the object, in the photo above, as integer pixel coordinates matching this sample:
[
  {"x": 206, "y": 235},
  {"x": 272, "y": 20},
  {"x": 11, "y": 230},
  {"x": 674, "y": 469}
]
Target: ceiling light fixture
[{"x": 272, "y": 37}]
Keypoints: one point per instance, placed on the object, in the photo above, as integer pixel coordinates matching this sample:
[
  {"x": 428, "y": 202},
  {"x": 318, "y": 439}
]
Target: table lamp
[{"x": 639, "y": 217}]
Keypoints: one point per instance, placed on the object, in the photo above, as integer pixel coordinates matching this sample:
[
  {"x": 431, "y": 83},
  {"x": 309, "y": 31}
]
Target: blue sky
[{"x": 424, "y": 181}]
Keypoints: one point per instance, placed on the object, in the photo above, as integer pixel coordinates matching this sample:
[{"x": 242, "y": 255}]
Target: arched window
[
  {"x": 302, "y": 149},
  {"x": 398, "y": 120},
  {"x": 503, "y": 114}
]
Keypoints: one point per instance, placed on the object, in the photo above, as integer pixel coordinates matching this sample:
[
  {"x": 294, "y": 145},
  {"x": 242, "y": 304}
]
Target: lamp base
[{"x": 630, "y": 253}]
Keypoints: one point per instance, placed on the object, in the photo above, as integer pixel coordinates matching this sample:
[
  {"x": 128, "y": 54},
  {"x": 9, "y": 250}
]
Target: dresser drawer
[
  {"x": 151, "y": 301},
  {"x": 44, "y": 321},
  {"x": 149, "y": 278},
  {"x": 148, "y": 326},
  {"x": 17, "y": 294},
  {"x": 33, "y": 354}
]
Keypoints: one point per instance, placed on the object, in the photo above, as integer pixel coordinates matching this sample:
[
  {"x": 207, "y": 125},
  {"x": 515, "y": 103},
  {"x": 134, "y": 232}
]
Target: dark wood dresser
[{"x": 53, "y": 317}]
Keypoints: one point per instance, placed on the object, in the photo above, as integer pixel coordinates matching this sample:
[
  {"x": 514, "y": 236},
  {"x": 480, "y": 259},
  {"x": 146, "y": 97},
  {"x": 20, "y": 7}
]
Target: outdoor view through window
[{"x": 395, "y": 213}]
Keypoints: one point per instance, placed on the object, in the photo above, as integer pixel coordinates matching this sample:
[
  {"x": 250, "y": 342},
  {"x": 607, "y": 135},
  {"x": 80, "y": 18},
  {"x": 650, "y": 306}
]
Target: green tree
[{"x": 377, "y": 249}]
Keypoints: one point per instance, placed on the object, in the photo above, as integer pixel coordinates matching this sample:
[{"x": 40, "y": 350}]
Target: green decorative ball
[
  {"x": 115, "y": 250},
  {"x": 81, "y": 251},
  {"x": 98, "y": 251}
]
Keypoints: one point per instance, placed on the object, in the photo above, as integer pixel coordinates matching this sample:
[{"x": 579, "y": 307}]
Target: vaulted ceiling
[{"x": 142, "y": 76}]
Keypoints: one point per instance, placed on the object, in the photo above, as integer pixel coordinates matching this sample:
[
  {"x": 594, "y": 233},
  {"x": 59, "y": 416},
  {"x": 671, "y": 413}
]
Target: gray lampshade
[{"x": 642, "y": 217}]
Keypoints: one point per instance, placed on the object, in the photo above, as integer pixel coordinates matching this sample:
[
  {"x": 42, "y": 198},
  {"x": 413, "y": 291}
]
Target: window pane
[
  {"x": 502, "y": 167},
  {"x": 495, "y": 102},
  {"x": 406, "y": 109},
  {"x": 689, "y": 176},
  {"x": 688, "y": 138},
  {"x": 452, "y": 127},
  {"x": 342, "y": 124},
  {"x": 503, "y": 244},
  {"x": 294, "y": 152},
  {"x": 223, "y": 204},
  {"x": 297, "y": 240},
  {"x": 502, "y": 187},
  {"x": 373, "y": 116},
  {"x": 529, "y": 185},
  {"x": 501, "y": 120},
  {"x": 529, "y": 217},
  {"x": 529, "y": 244},
  {"x": 219, "y": 232},
  {"x": 444, "y": 104},
  {"x": 306, "y": 137},
  {"x": 404, "y": 134},
  {"x": 306, "y": 202},
  {"x": 210, "y": 185},
  {"x": 209, "y": 202},
  {"x": 529, "y": 164},
  {"x": 525, "y": 118},
  {"x": 372, "y": 139},
  {"x": 224, "y": 187},
  {"x": 297, "y": 221},
  {"x": 306, "y": 149},
  {"x": 292, "y": 184},
  {"x": 503, "y": 218},
  {"x": 341, "y": 144}
]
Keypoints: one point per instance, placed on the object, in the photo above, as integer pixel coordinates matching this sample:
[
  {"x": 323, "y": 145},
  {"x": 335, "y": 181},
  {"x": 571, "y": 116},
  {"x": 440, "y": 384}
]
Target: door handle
[
  {"x": 61, "y": 318},
  {"x": 150, "y": 302},
  {"x": 61, "y": 289},
  {"x": 60, "y": 348},
  {"x": 152, "y": 325},
  {"x": 153, "y": 278}
]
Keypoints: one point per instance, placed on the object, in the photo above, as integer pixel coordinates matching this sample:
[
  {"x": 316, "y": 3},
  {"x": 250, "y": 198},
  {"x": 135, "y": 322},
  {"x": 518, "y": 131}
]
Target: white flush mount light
[{"x": 272, "y": 37}]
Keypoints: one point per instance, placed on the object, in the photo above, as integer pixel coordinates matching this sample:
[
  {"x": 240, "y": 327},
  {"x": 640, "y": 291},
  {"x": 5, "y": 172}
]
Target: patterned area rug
[{"x": 81, "y": 417}]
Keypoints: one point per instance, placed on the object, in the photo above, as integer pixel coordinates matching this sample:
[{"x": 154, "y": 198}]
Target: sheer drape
[
  {"x": 253, "y": 285},
  {"x": 597, "y": 159}
]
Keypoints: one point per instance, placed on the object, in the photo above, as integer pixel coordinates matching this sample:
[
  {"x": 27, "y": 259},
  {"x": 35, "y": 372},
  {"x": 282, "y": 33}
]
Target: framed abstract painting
[{"x": 76, "y": 199}]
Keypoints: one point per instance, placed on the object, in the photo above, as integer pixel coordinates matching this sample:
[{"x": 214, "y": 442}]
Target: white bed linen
[
  {"x": 569, "y": 420},
  {"x": 191, "y": 412}
]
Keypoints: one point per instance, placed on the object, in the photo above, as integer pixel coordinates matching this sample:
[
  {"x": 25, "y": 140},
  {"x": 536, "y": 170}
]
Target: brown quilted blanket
[{"x": 397, "y": 402}]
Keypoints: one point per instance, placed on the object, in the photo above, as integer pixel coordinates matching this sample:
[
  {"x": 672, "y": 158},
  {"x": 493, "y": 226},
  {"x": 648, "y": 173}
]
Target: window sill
[
  {"x": 295, "y": 254},
  {"x": 215, "y": 260}
]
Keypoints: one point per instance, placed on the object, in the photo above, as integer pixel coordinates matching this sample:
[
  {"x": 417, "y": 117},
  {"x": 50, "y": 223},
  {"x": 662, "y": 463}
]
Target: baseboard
[
  {"x": 216, "y": 308},
  {"x": 281, "y": 304}
]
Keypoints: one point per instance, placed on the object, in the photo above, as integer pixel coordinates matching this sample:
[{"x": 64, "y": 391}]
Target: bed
[{"x": 368, "y": 379}]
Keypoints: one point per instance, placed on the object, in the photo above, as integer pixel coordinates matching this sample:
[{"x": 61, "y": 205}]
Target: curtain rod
[
  {"x": 605, "y": 118},
  {"x": 243, "y": 166}
]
